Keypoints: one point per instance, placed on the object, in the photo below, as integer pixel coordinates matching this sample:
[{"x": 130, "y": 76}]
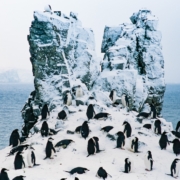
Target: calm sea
[{"x": 13, "y": 97}]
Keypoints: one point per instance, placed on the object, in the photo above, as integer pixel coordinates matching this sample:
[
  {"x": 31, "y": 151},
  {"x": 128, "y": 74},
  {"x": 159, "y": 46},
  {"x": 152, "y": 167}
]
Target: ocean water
[{"x": 13, "y": 97}]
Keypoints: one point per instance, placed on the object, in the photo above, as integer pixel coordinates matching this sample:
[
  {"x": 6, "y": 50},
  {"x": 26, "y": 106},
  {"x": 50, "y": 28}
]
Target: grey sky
[{"x": 16, "y": 17}]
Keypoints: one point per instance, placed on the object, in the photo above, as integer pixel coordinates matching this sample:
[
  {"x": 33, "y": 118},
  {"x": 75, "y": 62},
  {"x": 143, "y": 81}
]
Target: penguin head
[
  {"x": 164, "y": 133},
  {"x": 119, "y": 133},
  {"x": 4, "y": 170},
  {"x": 96, "y": 138},
  {"x": 86, "y": 169},
  {"x": 50, "y": 139},
  {"x": 126, "y": 160},
  {"x": 149, "y": 153},
  {"x": 136, "y": 139},
  {"x": 16, "y": 130},
  {"x": 91, "y": 97},
  {"x": 78, "y": 86},
  {"x": 175, "y": 141},
  {"x": 86, "y": 122},
  {"x": 176, "y": 160},
  {"x": 124, "y": 123},
  {"x": 76, "y": 178}
]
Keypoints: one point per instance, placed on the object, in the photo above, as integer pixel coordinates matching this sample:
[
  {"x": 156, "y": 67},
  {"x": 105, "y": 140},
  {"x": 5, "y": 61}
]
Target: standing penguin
[
  {"x": 125, "y": 100},
  {"x": 96, "y": 139},
  {"x": 112, "y": 96},
  {"x": 50, "y": 150},
  {"x": 4, "y": 174},
  {"x": 31, "y": 158},
  {"x": 44, "y": 129},
  {"x": 153, "y": 111},
  {"x": 101, "y": 173},
  {"x": 85, "y": 130},
  {"x": 135, "y": 145},
  {"x": 78, "y": 91},
  {"x": 91, "y": 148},
  {"x": 120, "y": 140},
  {"x": 68, "y": 99},
  {"x": 148, "y": 160},
  {"x": 14, "y": 138},
  {"x": 157, "y": 126},
  {"x": 174, "y": 168},
  {"x": 178, "y": 127},
  {"x": 18, "y": 161},
  {"x": 176, "y": 146},
  {"x": 44, "y": 112},
  {"x": 127, "y": 129},
  {"x": 90, "y": 112},
  {"x": 163, "y": 140},
  {"x": 127, "y": 166}
]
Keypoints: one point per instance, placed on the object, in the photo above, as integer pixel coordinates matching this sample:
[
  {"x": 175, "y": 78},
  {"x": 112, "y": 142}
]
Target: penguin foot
[
  {"x": 147, "y": 169},
  {"x": 122, "y": 148},
  {"x": 30, "y": 167}
]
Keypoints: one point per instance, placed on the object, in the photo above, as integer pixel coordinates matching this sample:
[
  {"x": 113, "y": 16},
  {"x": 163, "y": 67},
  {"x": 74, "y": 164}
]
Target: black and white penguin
[
  {"x": 125, "y": 100},
  {"x": 68, "y": 99},
  {"x": 4, "y": 174},
  {"x": 127, "y": 166},
  {"x": 91, "y": 147},
  {"x": 96, "y": 139},
  {"x": 44, "y": 129},
  {"x": 107, "y": 128},
  {"x": 90, "y": 112},
  {"x": 163, "y": 140},
  {"x": 113, "y": 96},
  {"x": 153, "y": 111},
  {"x": 79, "y": 91},
  {"x": 101, "y": 173},
  {"x": 91, "y": 100},
  {"x": 78, "y": 129},
  {"x": 176, "y": 146},
  {"x": 102, "y": 115},
  {"x": 78, "y": 170},
  {"x": 18, "y": 148},
  {"x": 135, "y": 145},
  {"x": 18, "y": 161},
  {"x": 64, "y": 143},
  {"x": 127, "y": 129},
  {"x": 44, "y": 112},
  {"x": 85, "y": 130},
  {"x": 175, "y": 168},
  {"x": 31, "y": 158},
  {"x": 147, "y": 126},
  {"x": 14, "y": 138},
  {"x": 19, "y": 177},
  {"x": 120, "y": 140},
  {"x": 178, "y": 127},
  {"x": 176, "y": 133},
  {"x": 157, "y": 126},
  {"x": 63, "y": 115},
  {"x": 148, "y": 161},
  {"x": 50, "y": 150}
]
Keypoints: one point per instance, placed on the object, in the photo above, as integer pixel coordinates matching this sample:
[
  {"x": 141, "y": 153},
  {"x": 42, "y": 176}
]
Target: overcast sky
[{"x": 16, "y": 17}]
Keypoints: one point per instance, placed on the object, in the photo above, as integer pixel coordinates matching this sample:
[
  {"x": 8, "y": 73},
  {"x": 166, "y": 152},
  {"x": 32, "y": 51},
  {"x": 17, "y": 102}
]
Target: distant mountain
[{"x": 16, "y": 76}]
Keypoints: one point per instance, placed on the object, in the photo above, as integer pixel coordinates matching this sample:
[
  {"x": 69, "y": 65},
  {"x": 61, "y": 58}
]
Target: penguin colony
[
  {"x": 23, "y": 152},
  {"x": 19, "y": 147}
]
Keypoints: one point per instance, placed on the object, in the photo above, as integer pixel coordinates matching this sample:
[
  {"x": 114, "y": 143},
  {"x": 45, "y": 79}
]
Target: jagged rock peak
[{"x": 133, "y": 57}]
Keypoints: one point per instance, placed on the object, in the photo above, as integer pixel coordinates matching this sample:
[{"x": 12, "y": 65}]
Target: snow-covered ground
[{"x": 112, "y": 160}]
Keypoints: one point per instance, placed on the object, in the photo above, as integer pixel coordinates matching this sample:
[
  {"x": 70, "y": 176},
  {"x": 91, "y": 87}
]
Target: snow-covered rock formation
[{"x": 133, "y": 61}]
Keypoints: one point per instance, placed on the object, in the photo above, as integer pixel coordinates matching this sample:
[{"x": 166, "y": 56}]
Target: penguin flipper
[{"x": 88, "y": 155}]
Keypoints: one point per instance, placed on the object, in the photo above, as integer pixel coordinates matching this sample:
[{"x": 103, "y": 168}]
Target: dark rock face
[
  {"x": 61, "y": 51},
  {"x": 133, "y": 61}
]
